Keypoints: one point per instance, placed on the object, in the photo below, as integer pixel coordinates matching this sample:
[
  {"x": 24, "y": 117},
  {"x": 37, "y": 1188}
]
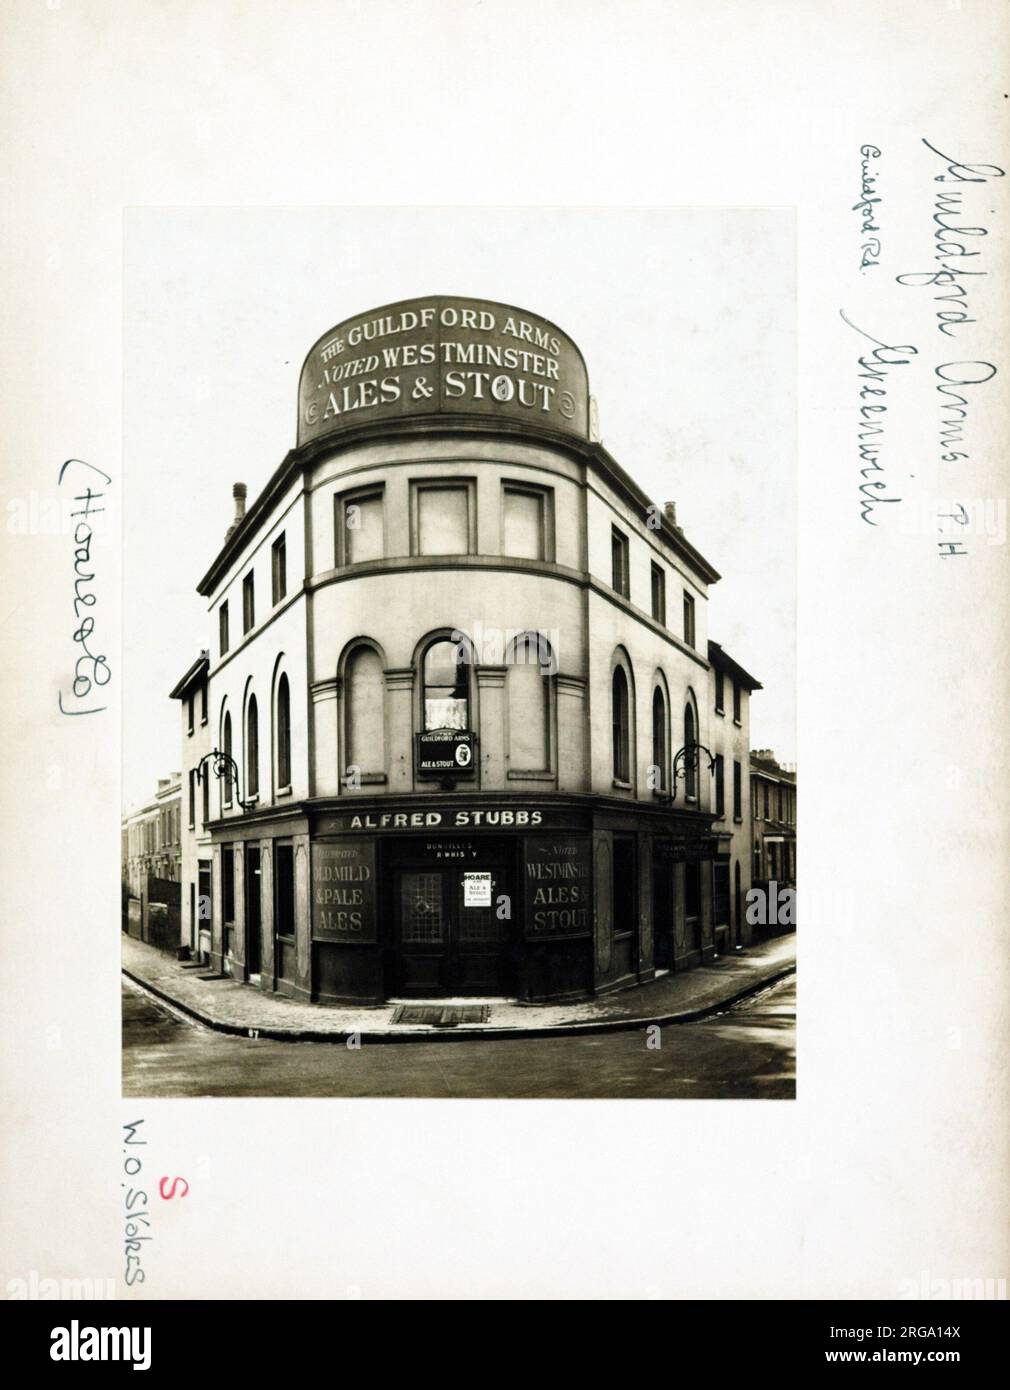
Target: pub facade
[{"x": 460, "y": 682}]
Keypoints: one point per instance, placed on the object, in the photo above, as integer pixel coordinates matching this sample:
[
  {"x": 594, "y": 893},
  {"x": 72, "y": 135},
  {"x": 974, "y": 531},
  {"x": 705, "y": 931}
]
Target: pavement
[{"x": 244, "y": 1010}]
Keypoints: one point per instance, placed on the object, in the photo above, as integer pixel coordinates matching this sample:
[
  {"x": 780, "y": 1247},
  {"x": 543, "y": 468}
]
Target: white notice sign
[{"x": 476, "y": 890}]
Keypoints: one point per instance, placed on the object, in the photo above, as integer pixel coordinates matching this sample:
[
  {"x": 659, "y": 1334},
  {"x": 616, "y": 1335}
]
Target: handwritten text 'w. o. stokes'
[{"x": 90, "y": 670}]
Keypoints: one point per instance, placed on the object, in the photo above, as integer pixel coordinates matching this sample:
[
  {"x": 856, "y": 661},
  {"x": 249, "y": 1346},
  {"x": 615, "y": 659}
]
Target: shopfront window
[{"x": 446, "y": 698}]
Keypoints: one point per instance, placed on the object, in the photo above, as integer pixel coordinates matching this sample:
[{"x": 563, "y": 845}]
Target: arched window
[
  {"x": 226, "y": 748},
  {"x": 659, "y": 737},
  {"x": 252, "y": 748},
  {"x": 691, "y": 752},
  {"x": 364, "y": 712},
  {"x": 446, "y": 677},
  {"x": 620, "y": 717},
  {"x": 283, "y": 733},
  {"x": 529, "y": 704}
]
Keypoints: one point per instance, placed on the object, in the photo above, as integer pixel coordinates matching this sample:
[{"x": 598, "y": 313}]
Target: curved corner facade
[{"x": 457, "y": 656}]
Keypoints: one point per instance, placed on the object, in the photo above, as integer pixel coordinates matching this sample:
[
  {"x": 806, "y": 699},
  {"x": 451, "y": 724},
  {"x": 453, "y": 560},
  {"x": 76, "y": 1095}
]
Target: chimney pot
[{"x": 239, "y": 492}]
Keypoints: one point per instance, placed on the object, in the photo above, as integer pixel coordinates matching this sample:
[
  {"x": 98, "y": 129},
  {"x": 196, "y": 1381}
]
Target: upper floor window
[
  {"x": 528, "y": 690},
  {"x": 446, "y": 694},
  {"x": 688, "y": 619},
  {"x": 620, "y": 725},
  {"x": 359, "y": 527},
  {"x": 222, "y": 626},
  {"x": 190, "y": 711},
  {"x": 737, "y": 792},
  {"x": 444, "y": 516},
  {"x": 203, "y": 701},
  {"x": 252, "y": 748},
  {"x": 278, "y": 569},
  {"x": 283, "y": 734},
  {"x": 719, "y": 695},
  {"x": 720, "y": 785},
  {"x": 226, "y": 747},
  {"x": 248, "y": 602},
  {"x": 192, "y": 798},
  {"x": 659, "y": 739},
  {"x": 659, "y": 593},
  {"x": 691, "y": 752},
  {"x": 736, "y": 702},
  {"x": 620, "y": 571},
  {"x": 526, "y": 523},
  {"x": 364, "y": 715}
]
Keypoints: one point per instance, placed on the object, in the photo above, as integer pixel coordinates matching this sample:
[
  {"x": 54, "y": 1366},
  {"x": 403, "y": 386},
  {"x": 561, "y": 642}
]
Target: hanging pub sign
[{"x": 445, "y": 753}]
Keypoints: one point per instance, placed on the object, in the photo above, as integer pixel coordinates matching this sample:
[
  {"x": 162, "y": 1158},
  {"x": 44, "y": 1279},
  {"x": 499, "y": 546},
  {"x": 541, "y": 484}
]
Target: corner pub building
[{"x": 457, "y": 655}]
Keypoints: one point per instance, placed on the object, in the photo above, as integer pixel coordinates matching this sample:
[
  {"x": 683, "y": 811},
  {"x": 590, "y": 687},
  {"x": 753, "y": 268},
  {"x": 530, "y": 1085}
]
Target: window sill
[
  {"x": 284, "y": 791},
  {"x": 738, "y": 820},
  {"x": 738, "y": 723},
  {"x": 719, "y": 711},
  {"x": 203, "y": 722},
  {"x": 621, "y": 786}
]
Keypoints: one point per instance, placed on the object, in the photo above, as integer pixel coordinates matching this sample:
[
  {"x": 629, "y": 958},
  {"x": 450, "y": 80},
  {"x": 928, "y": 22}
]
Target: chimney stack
[
  {"x": 670, "y": 514},
  {"x": 239, "y": 492}
]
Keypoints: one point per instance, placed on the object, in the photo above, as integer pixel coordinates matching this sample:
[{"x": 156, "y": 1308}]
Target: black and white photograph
[
  {"x": 460, "y": 741},
  {"x": 505, "y": 582}
]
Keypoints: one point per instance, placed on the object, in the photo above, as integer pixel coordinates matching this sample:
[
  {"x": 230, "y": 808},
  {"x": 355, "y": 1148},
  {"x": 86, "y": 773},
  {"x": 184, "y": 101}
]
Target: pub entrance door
[{"x": 452, "y": 937}]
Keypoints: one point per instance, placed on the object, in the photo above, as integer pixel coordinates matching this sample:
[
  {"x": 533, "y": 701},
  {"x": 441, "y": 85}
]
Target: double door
[{"x": 454, "y": 929}]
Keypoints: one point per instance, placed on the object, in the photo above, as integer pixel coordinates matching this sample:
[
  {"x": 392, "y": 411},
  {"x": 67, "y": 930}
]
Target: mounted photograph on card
[{"x": 459, "y": 621}]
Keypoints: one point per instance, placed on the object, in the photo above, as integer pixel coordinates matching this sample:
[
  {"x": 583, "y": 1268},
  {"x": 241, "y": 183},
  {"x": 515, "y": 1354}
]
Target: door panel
[
  {"x": 423, "y": 932},
  {"x": 482, "y": 940},
  {"x": 445, "y": 947}
]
